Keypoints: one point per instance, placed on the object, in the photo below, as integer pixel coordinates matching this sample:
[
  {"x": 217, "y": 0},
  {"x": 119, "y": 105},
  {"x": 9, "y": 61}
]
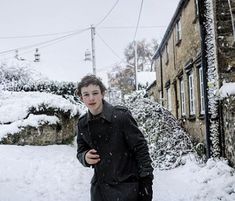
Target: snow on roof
[
  {"x": 146, "y": 78},
  {"x": 227, "y": 89}
]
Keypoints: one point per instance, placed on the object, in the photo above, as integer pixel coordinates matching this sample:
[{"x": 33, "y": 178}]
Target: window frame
[
  {"x": 168, "y": 98},
  {"x": 182, "y": 97},
  {"x": 178, "y": 31},
  {"x": 167, "y": 53},
  {"x": 201, "y": 90},
  {"x": 191, "y": 93}
]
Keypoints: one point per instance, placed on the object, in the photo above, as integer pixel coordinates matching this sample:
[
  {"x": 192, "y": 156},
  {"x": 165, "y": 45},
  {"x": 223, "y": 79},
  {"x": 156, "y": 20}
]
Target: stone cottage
[{"x": 194, "y": 59}]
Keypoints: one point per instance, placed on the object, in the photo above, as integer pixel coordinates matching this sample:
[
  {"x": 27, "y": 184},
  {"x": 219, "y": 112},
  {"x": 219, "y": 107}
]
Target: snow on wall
[
  {"x": 212, "y": 75},
  {"x": 227, "y": 89}
]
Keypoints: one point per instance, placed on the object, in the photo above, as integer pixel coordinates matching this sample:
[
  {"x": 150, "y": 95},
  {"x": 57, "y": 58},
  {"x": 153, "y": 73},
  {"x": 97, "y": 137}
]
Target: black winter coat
[{"x": 123, "y": 152}]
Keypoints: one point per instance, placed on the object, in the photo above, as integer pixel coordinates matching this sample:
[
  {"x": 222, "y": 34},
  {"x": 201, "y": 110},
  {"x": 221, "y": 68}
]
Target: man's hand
[{"x": 92, "y": 157}]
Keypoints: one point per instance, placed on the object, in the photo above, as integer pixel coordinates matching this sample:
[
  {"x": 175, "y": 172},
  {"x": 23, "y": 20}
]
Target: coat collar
[{"x": 105, "y": 114}]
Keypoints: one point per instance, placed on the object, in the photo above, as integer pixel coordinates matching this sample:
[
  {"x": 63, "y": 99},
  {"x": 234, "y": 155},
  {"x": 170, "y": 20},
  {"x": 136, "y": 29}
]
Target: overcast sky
[{"x": 64, "y": 59}]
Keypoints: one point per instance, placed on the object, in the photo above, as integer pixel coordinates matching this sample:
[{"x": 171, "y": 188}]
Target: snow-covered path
[
  {"x": 42, "y": 174},
  {"x": 49, "y": 173}
]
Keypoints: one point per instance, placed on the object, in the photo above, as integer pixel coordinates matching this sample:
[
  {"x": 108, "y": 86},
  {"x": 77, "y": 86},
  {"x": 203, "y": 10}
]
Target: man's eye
[
  {"x": 95, "y": 93},
  {"x": 85, "y": 95}
]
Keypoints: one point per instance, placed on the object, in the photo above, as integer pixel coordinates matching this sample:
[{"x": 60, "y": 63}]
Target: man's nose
[{"x": 91, "y": 97}]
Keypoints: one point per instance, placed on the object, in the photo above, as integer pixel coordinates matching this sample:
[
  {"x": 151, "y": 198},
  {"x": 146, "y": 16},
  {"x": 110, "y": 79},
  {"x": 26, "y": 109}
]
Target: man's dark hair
[{"x": 90, "y": 79}]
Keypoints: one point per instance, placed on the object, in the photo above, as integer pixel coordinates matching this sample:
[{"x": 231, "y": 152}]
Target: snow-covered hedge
[
  {"x": 20, "y": 76},
  {"x": 21, "y": 109},
  {"x": 168, "y": 142}
]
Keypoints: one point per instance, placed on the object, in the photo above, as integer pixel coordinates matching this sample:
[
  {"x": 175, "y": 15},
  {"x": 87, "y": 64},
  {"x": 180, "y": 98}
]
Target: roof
[{"x": 170, "y": 28}]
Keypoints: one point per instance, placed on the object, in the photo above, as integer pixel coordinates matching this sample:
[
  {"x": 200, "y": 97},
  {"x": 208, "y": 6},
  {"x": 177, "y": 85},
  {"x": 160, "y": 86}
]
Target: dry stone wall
[
  {"x": 229, "y": 128},
  {"x": 59, "y": 133}
]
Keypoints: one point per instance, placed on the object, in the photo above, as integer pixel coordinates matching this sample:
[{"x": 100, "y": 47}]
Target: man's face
[{"x": 92, "y": 98}]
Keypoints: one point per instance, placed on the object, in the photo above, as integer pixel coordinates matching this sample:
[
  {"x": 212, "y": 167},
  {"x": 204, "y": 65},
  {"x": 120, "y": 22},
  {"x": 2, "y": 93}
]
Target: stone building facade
[
  {"x": 177, "y": 63},
  {"x": 183, "y": 77}
]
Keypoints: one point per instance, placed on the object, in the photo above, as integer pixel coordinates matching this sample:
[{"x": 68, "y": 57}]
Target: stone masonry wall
[
  {"x": 225, "y": 17},
  {"x": 60, "y": 133},
  {"x": 229, "y": 125}
]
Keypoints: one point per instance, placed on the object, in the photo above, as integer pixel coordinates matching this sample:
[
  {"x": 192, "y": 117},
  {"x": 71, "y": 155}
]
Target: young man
[{"x": 109, "y": 140}]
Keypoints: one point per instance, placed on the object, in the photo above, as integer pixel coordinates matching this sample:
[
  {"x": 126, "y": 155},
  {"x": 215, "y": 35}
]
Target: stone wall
[
  {"x": 60, "y": 133},
  {"x": 229, "y": 128},
  {"x": 225, "y": 17}
]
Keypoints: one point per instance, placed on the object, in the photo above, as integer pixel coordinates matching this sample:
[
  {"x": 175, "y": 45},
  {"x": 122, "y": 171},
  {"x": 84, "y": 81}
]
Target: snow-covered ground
[{"x": 49, "y": 173}]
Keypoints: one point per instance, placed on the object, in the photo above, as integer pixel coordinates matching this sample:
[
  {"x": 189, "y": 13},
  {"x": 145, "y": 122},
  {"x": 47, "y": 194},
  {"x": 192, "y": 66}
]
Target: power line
[
  {"x": 38, "y": 35},
  {"x": 67, "y": 32},
  {"x": 137, "y": 25},
  {"x": 101, "y": 21},
  {"x": 110, "y": 48},
  {"x": 135, "y": 45},
  {"x": 113, "y": 51},
  {"x": 131, "y": 27},
  {"x": 55, "y": 40}
]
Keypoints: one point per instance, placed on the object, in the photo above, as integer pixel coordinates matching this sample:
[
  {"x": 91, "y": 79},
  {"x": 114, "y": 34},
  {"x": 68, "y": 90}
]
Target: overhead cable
[
  {"x": 131, "y": 27},
  {"x": 138, "y": 21},
  {"x": 101, "y": 21},
  {"x": 38, "y": 35},
  {"x": 114, "y": 52},
  {"x": 111, "y": 49},
  {"x": 58, "y": 39}
]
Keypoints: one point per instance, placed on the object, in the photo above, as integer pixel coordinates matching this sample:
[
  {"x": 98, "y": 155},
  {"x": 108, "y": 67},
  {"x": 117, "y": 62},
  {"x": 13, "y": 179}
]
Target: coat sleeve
[
  {"x": 138, "y": 145},
  {"x": 82, "y": 148}
]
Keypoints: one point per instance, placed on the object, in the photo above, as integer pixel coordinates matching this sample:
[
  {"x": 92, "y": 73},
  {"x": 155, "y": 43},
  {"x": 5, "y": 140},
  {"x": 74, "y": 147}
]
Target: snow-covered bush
[
  {"x": 20, "y": 76},
  {"x": 37, "y": 118},
  {"x": 168, "y": 142}
]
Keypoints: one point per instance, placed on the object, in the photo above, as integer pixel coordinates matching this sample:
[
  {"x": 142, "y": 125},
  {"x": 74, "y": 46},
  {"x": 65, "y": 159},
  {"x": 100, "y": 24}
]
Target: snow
[
  {"x": 212, "y": 76},
  {"x": 167, "y": 141},
  {"x": 32, "y": 120},
  {"x": 15, "y": 108},
  {"x": 146, "y": 78},
  {"x": 49, "y": 173},
  {"x": 227, "y": 89},
  {"x": 20, "y": 102}
]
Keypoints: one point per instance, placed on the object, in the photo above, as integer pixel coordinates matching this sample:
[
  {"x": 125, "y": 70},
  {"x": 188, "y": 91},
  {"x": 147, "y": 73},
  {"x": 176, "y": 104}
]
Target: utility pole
[
  {"x": 136, "y": 66},
  {"x": 93, "y": 49}
]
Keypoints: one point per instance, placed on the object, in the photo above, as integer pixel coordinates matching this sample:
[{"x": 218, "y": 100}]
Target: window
[
  {"x": 191, "y": 94},
  {"x": 167, "y": 53},
  {"x": 182, "y": 97},
  {"x": 178, "y": 31},
  {"x": 168, "y": 94},
  {"x": 201, "y": 88}
]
